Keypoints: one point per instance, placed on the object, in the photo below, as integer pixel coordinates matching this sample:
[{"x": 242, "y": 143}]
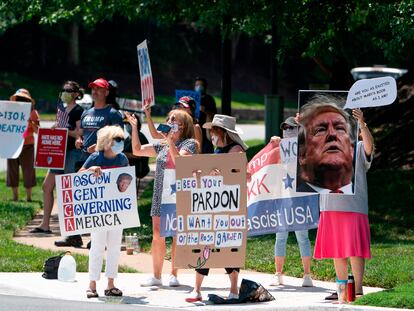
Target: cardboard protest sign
[
  {"x": 147, "y": 86},
  {"x": 13, "y": 124},
  {"x": 211, "y": 211},
  {"x": 372, "y": 93},
  {"x": 51, "y": 148},
  {"x": 88, "y": 204},
  {"x": 273, "y": 205},
  {"x": 326, "y": 143},
  {"x": 195, "y": 95}
]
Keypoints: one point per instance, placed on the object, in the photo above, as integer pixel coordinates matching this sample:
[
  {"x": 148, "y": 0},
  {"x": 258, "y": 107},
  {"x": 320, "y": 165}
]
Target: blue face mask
[
  {"x": 118, "y": 147},
  {"x": 199, "y": 88}
]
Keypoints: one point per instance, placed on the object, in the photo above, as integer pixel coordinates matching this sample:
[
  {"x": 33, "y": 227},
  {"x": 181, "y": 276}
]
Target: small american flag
[{"x": 62, "y": 118}]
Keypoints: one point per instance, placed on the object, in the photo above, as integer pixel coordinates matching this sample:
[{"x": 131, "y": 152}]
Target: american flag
[{"x": 62, "y": 118}]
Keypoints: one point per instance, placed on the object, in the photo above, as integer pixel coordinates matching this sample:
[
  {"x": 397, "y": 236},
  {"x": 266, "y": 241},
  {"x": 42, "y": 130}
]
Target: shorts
[{"x": 26, "y": 161}]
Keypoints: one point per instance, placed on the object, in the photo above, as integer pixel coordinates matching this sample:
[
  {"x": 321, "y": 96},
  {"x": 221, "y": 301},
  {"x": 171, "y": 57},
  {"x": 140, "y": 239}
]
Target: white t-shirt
[{"x": 351, "y": 203}]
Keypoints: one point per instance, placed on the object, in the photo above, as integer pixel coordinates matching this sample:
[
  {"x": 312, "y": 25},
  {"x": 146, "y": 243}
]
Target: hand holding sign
[{"x": 372, "y": 93}]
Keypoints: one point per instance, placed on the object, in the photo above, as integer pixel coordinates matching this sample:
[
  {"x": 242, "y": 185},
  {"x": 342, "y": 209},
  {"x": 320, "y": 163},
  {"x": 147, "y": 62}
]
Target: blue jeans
[{"x": 301, "y": 237}]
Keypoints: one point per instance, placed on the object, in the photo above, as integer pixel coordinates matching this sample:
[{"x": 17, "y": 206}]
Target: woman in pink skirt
[{"x": 343, "y": 230}]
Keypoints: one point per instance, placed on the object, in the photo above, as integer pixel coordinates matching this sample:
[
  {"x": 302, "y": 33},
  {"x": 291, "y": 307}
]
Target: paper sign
[
  {"x": 195, "y": 95},
  {"x": 89, "y": 204},
  {"x": 51, "y": 148},
  {"x": 211, "y": 220},
  {"x": 13, "y": 123},
  {"x": 129, "y": 104},
  {"x": 288, "y": 150},
  {"x": 147, "y": 86},
  {"x": 372, "y": 93}
]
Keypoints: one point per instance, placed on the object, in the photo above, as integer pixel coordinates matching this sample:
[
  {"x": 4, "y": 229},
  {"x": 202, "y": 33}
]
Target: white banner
[
  {"x": 88, "y": 204},
  {"x": 147, "y": 86},
  {"x": 13, "y": 124}
]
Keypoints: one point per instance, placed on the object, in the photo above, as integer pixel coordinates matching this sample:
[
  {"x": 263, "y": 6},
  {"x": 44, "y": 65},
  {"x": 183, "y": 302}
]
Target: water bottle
[
  {"x": 351, "y": 288},
  {"x": 135, "y": 243},
  {"x": 67, "y": 268},
  {"x": 129, "y": 245}
]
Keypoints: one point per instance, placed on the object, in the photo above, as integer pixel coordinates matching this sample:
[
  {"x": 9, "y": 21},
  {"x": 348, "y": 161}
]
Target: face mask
[
  {"x": 117, "y": 148},
  {"x": 214, "y": 140},
  {"x": 174, "y": 127},
  {"x": 289, "y": 133},
  {"x": 66, "y": 97},
  {"x": 199, "y": 88}
]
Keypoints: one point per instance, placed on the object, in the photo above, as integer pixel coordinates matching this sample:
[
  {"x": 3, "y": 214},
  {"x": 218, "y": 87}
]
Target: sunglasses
[
  {"x": 118, "y": 139},
  {"x": 68, "y": 90}
]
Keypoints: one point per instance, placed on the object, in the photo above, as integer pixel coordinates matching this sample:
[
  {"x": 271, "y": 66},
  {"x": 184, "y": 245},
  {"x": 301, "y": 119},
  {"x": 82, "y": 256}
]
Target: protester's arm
[
  {"x": 138, "y": 149},
  {"x": 365, "y": 132},
  {"x": 34, "y": 120},
  {"x": 198, "y": 134},
  {"x": 153, "y": 131}
]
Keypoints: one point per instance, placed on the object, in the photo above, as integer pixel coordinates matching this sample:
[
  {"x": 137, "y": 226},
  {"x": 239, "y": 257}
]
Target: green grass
[
  {"x": 402, "y": 296},
  {"x": 15, "y": 257}
]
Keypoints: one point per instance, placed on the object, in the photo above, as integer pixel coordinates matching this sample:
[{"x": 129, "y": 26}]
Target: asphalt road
[{"x": 19, "y": 303}]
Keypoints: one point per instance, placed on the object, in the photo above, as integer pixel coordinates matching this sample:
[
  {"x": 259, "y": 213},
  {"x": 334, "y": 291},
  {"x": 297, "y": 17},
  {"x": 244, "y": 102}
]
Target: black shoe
[
  {"x": 88, "y": 246},
  {"x": 73, "y": 240},
  {"x": 333, "y": 296}
]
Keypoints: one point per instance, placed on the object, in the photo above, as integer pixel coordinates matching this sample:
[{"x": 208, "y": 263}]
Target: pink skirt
[{"x": 343, "y": 235}]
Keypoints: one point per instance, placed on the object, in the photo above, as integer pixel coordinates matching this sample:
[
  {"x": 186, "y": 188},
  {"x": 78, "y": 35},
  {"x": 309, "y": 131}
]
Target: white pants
[{"x": 112, "y": 240}]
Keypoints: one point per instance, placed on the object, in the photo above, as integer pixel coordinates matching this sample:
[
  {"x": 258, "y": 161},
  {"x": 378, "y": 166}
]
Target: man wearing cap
[
  {"x": 326, "y": 148},
  {"x": 93, "y": 119},
  {"x": 26, "y": 157}
]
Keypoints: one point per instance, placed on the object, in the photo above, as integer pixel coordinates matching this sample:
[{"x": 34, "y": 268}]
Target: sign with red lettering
[
  {"x": 51, "y": 148},
  {"x": 211, "y": 222},
  {"x": 87, "y": 203}
]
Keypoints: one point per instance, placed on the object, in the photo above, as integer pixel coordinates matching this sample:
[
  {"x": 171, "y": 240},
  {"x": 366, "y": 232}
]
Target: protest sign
[
  {"x": 147, "y": 86},
  {"x": 129, "y": 104},
  {"x": 273, "y": 205},
  {"x": 13, "y": 124},
  {"x": 326, "y": 144},
  {"x": 211, "y": 211},
  {"x": 372, "y": 93},
  {"x": 193, "y": 94},
  {"x": 51, "y": 148},
  {"x": 89, "y": 204}
]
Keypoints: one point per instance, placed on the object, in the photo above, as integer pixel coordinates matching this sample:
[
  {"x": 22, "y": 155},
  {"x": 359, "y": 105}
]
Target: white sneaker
[
  {"x": 277, "y": 279},
  {"x": 173, "y": 282},
  {"x": 152, "y": 281},
  {"x": 307, "y": 281},
  {"x": 233, "y": 296}
]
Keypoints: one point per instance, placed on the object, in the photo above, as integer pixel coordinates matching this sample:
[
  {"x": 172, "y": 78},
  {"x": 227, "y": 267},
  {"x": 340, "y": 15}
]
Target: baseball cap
[
  {"x": 100, "y": 82},
  {"x": 290, "y": 122}
]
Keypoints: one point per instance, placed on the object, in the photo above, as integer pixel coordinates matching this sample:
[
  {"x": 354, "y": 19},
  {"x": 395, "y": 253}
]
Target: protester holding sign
[
  {"x": 226, "y": 139},
  {"x": 290, "y": 130},
  {"x": 179, "y": 141},
  {"x": 344, "y": 228},
  {"x": 68, "y": 116},
  {"x": 100, "y": 115},
  {"x": 26, "y": 157},
  {"x": 109, "y": 146}
]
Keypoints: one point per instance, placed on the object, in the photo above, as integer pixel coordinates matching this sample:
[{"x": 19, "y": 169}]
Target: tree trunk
[{"x": 73, "y": 59}]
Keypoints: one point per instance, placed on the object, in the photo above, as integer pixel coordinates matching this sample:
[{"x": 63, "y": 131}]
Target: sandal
[
  {"x": 91, "y": 293},
  {"x": 195, "y": 297},
  {"x": 113, "y": 292},
  {"x": 40, "y": 230}
]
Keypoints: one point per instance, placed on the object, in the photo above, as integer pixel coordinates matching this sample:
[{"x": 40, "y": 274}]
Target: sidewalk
[{"x": 291, "y": 296}]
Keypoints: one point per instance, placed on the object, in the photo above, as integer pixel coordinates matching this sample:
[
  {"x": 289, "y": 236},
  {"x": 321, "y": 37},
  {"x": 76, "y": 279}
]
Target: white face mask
[
  {"x": 174, "y": 127},
  {"x": 66, "y": 97},
  {"x": 118, "y": 147},
  {"x": 214, "y": 140},
  {"x": 290, "y": 133}
]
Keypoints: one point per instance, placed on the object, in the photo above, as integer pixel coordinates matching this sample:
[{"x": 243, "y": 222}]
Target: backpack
[{"x": 51, "y": 266}]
